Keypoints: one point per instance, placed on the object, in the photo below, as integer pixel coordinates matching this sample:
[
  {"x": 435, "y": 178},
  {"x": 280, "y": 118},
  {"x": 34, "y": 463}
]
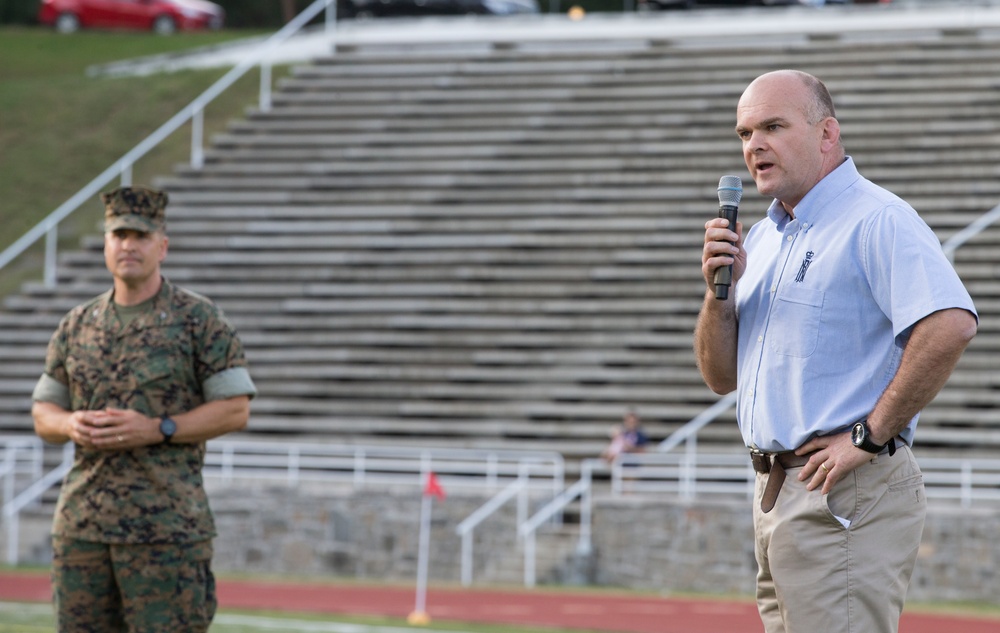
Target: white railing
[
  {"x": 517, "y": 488},
  {"x": 527, "y": 531},
  {"x": 976, "y": 227},
  {"x": 956, "y": 480},
  {"x": 194, "y": 112},
  {"x": 583, "y": 489},
  {"x": 358, "y": 466},
  {"x": 21, "y": 464},
  {"x": 963, "y": 480},
  {"x": 687, "y": 475},
  {"x": 689, "y": 432},
  {"x": 29, "y": 496},
  {"x": 514, "y": 473},
  {"x": 692, "y": 475}
]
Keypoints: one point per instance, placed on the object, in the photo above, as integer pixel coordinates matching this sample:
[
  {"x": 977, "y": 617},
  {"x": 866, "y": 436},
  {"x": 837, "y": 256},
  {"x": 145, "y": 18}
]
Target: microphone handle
[{"x": 724, "y": 274}]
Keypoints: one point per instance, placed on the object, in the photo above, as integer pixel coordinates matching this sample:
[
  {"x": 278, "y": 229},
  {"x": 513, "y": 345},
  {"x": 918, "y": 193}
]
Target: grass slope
[{"x": 59, "y": 128}]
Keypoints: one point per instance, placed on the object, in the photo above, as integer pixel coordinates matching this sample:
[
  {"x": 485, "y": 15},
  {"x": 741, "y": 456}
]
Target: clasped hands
[{"x": 112, "y": 429}]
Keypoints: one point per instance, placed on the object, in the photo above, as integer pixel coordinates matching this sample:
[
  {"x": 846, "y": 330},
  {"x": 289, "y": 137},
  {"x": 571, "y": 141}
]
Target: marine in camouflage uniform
[{"x": 139, "y": 378}]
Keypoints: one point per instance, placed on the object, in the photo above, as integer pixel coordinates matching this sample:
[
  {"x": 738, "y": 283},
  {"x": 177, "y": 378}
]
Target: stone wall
[
  {"x": 709, "y": 547},
  {"x": 959, "y": 556},
  {"x": 672, "y": 546},
  {"x": 637, "y": 542},
  {"x": 348, "y": 533}
]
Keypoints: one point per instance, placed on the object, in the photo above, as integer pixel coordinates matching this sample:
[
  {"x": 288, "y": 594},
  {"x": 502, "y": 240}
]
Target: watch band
[
  {"x": 862, "y": 438},
  {"x": 868, "y": 445}
]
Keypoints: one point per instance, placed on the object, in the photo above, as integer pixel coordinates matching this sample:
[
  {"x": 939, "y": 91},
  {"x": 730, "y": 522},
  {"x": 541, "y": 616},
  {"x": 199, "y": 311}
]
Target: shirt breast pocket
[{"x": 795, "y": 321}]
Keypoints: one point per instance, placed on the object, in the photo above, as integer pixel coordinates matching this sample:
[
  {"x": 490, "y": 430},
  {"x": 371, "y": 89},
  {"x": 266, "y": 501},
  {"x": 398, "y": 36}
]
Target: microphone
[{"x": 730, "y": 193}]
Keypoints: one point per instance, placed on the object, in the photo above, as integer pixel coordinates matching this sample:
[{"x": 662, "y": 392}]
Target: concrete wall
[
  {"x": 348, "y": 533},
  {"x": 638, "y": 542},
  {"x": 642, "y": 543},
  {"x": 709, "y": 547}
]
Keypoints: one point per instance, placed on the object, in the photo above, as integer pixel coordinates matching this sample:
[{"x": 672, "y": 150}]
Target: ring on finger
[{"x": 825, "y": 469}]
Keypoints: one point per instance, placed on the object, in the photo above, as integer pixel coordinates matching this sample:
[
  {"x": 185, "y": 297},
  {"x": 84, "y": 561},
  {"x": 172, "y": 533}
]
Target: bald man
[{"x": 845, "y": 320}]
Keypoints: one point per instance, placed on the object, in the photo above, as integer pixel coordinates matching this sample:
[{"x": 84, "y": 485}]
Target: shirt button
[
  {"x": 760, "y": 339},
  {"x": 789, "y": 238}
]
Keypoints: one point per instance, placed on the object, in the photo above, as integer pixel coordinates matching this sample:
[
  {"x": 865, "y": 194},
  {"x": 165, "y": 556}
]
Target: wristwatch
[
  {"x": 861, "y": 436},
  {"x": 167, "y": 427}
]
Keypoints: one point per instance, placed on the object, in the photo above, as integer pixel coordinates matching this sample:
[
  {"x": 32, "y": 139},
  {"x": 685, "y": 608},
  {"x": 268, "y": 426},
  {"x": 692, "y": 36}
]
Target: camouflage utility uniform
[{"x": 133, "y": 528}]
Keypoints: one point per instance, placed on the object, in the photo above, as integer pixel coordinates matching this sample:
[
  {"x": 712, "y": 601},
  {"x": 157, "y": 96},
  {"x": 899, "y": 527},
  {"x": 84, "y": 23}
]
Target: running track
[{"x": 585, "y": 609}]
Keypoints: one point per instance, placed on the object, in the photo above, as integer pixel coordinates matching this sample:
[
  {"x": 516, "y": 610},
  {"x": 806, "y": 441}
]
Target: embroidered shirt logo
[{"x": 808, "y": 259}]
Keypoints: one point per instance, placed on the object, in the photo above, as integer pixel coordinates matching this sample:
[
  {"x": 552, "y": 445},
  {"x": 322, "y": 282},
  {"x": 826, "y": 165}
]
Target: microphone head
[{"x": 730, "y": 190}]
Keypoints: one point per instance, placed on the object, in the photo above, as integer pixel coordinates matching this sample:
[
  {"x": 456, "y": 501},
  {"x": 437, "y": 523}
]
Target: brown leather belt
[
  {"x": 762, "y": 462},
  {"x": 773, "y": 465}
]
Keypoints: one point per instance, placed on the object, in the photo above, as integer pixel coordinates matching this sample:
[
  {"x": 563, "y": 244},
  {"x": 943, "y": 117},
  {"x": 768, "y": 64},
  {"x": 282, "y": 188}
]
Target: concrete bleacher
[{"x": 500, "y": 246}]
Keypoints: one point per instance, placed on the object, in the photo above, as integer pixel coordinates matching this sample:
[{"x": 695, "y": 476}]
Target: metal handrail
[
  {"x": 468, "y": 525},
  {"x": 194, "y": 112},
  {"x": 231, "y": 459},
  {"x": 684, "y": 474},
  {"x": 964, "y": 480},
  {"x": 362, "y": 465},
  {"x": 583, "y": 489},
  {"x": 972, "y": 479},
  {"x": 12, "y": 509},
  {"x": 976, "y": 227},
  {"x": 22, "y": 454},
  {"x": 698, "y": 422}
]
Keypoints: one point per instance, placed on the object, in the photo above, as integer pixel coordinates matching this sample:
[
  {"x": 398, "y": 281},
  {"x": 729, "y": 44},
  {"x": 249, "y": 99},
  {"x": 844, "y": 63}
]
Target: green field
[
  {"x": 34, "y": 618},
  {"x": 60, "y": 128}
]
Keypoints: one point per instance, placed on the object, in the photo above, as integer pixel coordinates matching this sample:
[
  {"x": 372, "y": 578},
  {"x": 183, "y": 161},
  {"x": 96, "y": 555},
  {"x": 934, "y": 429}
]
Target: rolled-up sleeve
[
  {"x": 229, "y": 383},
  {"x": 48, "y": 389}
]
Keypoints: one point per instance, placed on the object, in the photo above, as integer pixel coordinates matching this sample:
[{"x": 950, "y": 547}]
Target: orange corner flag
[{"x": 433, "y": 487}]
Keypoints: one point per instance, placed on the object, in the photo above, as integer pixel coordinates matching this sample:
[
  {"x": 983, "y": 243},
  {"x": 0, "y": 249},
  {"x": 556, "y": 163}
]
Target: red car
[{"x": 161, "y": 16}]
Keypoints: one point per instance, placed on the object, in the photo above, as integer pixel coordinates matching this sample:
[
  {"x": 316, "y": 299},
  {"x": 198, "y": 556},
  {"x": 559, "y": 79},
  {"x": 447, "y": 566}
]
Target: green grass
[
  {"x": 35, "y": 618},
  {"x": 60, "y": 128}
]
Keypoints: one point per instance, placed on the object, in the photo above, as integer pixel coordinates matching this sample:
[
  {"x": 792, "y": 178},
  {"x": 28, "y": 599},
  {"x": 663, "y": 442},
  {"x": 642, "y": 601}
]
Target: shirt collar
[
  {"x": 808, "y": 210},
  {"x": 104, "y": 313}
]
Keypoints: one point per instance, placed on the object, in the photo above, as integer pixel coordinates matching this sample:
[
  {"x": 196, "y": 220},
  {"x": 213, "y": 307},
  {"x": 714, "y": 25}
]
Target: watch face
[
  {"x": 858, "y": 434},
  {"x": 168, "y": 427}
]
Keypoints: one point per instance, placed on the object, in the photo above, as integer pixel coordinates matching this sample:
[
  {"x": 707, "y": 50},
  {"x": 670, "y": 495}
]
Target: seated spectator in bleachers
[{"x": 626, "y": 437}]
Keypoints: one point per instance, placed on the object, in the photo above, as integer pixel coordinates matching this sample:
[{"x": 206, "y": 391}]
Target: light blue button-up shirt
[{"x": 826, "y": 305}]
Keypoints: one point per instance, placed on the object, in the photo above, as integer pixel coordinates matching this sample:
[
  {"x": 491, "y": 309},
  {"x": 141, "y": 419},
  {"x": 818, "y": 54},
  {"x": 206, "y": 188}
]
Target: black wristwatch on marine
[
  {"x": 167, "y": 427},
  {"x": 861, "y": 436}
]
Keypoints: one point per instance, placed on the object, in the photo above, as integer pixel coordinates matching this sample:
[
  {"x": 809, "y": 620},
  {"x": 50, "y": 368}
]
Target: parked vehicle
[
  {"x": 414, "y": 8},
  {"x": 161, "y": 16},
  {"x": 691, "y": 4}
]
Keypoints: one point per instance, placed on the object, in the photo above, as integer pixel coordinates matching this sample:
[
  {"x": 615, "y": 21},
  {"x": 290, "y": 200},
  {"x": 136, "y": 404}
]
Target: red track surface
[{"x": 611, "y": 612}]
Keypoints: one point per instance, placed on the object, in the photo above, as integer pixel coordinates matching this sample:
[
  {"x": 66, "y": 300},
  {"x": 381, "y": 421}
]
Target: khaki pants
[
  {"x": 815, "y": 574},
  {"x": 101, "y": 588}
]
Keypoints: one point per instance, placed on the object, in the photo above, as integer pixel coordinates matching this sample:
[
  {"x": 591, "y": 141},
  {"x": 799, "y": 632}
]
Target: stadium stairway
[{"x": 498, "y": 245}]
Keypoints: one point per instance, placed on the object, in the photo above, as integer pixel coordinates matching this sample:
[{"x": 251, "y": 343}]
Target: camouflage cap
[{"x": 138, "y": 208}]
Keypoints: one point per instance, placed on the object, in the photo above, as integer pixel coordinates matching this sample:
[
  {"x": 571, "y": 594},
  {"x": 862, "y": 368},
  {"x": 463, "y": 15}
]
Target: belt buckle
[{"x": 761, "y": 461}]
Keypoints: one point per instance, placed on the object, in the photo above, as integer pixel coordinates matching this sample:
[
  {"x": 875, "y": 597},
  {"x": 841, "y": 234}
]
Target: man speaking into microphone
[{"x": 844, "y": 319}]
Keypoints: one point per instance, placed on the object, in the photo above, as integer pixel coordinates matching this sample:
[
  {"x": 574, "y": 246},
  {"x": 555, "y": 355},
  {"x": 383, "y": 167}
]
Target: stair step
[{"x": 498, "y": 244}]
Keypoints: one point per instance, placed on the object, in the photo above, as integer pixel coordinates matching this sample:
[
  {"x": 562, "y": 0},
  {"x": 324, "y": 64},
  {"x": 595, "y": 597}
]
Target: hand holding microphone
[{"x": 730, "y": 193}]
